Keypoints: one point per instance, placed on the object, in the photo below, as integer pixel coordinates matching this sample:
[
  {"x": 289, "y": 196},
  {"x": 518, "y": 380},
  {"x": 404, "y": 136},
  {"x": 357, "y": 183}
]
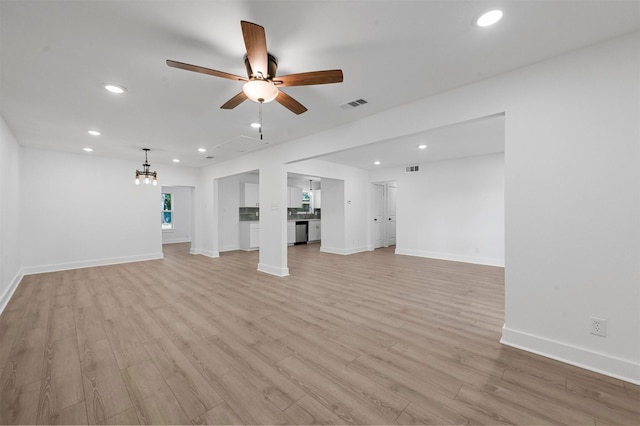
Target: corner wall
[
  {"x": 453, "y": 210},
  {"x": 10, "y": 222},
  {"x": 84, "y": 210}
]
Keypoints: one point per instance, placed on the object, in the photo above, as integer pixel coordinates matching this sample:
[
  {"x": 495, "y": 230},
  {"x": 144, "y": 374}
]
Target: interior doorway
[
  {"x": 177, "y": 214},
  {"x": 384, "y": 214}
]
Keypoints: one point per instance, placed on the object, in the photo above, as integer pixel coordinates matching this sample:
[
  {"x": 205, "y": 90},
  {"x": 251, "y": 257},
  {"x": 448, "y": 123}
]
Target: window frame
[{"x": 171, "y": 223}]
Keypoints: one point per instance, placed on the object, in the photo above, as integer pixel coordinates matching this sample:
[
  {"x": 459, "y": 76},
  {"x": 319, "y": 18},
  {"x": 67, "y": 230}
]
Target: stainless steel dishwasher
[{"x": 302, "y": 232}]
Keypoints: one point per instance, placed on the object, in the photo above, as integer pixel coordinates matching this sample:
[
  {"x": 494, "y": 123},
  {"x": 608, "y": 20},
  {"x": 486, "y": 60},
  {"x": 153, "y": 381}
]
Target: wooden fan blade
[
  {"x": 203, "y": 70},
  {"x": 256, "y": 43},
  {"x": 309, "y": 78},
  {"x": 290, "y": 103},
  {"x": 235, "y": 101}
]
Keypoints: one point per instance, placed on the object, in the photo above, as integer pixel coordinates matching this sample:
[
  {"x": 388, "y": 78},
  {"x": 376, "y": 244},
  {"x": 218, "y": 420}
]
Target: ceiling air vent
[
  {"x": 209, "y": 157},
  {"x": 412, "y": 169},
  {"x": 354, "y": 104}
]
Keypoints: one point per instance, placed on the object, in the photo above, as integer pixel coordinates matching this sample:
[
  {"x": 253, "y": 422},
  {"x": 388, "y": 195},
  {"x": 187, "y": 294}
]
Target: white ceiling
[
  {"x": 477, "y": 137},
  {"x": 56, "y": 55}
]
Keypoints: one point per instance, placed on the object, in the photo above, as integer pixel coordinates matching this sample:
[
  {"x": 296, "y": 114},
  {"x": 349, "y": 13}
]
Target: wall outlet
[{"x": 599, "y": 326}]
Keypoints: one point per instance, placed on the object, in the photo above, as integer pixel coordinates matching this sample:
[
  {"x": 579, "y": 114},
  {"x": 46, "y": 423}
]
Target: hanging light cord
[{"x": 260, "y": 119}]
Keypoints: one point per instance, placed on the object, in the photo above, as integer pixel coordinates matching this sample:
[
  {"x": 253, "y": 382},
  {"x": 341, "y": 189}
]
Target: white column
[{"x": 273, "y": 220}]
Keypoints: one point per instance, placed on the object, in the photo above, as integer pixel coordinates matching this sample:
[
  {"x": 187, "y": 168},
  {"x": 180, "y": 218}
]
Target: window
[{"x": 167, "y": 211}]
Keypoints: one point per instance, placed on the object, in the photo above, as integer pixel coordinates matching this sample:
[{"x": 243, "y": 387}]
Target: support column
[{"x": 273, "y": 220}]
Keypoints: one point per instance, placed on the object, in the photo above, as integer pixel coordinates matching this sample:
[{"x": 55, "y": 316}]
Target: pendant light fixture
[{"x": 145, "y": 171}]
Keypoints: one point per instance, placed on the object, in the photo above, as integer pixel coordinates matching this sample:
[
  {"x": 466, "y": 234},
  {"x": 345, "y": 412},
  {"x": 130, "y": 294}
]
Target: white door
[
  {"x": 378, "y": 215},
  {"x": 390, "y": 238}
]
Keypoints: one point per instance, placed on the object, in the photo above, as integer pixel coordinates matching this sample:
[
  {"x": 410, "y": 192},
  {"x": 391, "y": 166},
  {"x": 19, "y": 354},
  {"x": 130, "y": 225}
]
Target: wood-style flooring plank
[
  {"x": 61, "y": 383},
  {"x": 344, "y": 400},
  {"x": 153, "y": 400},
  {"x": 125, "y": 344},
  {"x": 219, "y": 415},
  {"x": 73, "y": 415},
  {"x": 104, "y": 390},
  {"x": 248, "y": 402},
  {"x": 192, "y": 391}
]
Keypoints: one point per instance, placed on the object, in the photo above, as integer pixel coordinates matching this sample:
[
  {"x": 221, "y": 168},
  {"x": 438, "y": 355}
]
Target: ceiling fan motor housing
[{"x": 272, "y": 66}]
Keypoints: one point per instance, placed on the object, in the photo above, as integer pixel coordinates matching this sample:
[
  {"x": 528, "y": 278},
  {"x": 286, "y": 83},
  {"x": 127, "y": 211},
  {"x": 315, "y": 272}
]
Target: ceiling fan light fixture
[{"x": 260, "y": 91}]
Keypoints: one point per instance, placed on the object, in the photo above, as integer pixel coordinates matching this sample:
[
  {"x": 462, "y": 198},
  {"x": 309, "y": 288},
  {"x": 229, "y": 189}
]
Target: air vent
[
  {"x": 209, "y": 157},
  {"x": 412, "y": 169},
  {"x": 354, "y": 104}
]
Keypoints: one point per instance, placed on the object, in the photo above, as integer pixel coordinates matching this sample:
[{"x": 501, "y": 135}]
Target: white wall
[
  {"x": 10, "y": 222},
  {"x": 182, "y": 214},
  {"x": 333, "y": 217},
  {"x": 85, "y": 210},
  {"x": 572, "y": 208},
  {"x": 452, "y": 210}
]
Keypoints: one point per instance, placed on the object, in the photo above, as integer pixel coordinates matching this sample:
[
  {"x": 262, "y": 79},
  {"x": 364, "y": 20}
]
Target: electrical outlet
[{"x": 599, "y": 326}]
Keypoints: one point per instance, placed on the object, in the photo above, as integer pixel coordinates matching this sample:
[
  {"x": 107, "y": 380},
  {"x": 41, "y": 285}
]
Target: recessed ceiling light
[
  {"x": 489, "y": 18},
  {"x": 255, "y": 125},
  {"x": 115, "y": 89},
  {"x": 94, "y": 133},
  {"x": 376, "y": 163},
  {"x": 87, "y": 149},
  {"x": 176, "y": 160},
  {"x": 422, "y": 146},
  {"x": 202, "y": 150}
]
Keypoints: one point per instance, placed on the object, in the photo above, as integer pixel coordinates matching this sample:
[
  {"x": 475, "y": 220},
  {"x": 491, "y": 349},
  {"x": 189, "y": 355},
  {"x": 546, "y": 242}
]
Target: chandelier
[{"x": 145, "y": 171}]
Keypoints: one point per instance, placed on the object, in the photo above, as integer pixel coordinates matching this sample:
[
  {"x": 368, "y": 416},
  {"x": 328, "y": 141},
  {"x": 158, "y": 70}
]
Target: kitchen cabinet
[
  {"x": 249, "y": 235},
  {"x": 294, "y": 200},
  {"x": 314, "y": 230},
  {"x": 291, "y": 232},
  {"x": 249, "y": 195},
  {"x": 316, "y": 199}
]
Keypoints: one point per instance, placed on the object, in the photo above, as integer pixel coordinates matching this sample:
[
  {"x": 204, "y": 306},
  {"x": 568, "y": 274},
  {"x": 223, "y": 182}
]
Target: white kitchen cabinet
[
  {"x": 249, "y": 195},
  {"x": 314, "y": 230},
  {"x": 317, "y": 199},
  {"x": 294, "y": 200},
  {"x": 291, "y": 232},
  {"x": 249, "y": 235}
]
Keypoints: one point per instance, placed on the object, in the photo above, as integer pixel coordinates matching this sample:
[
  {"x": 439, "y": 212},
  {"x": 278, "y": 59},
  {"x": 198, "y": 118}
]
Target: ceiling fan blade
[
  {"x": 235, "y": 101},
  {"x": 290, "y": 103},
  {"x": 203, "y": 70},
  {"x": 256, "y": 44},
  {"x": 309, "y": 78}
]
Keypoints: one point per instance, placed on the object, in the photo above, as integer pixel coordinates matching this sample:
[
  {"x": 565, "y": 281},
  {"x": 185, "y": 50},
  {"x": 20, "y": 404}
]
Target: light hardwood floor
[{"x": 370, "y": 338}]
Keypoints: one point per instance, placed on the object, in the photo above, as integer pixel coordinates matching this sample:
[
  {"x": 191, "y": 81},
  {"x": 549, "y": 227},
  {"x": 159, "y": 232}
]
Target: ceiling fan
[{"x": 262, "y": 85}]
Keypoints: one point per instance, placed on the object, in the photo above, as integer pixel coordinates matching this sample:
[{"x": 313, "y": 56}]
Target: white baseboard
[
  {"x": 176, "y": 240},
  {"x": 228, "y": 248},
  {"x": 8, "y": 293},
  {"x": 209, "y": 253},
  {"x": 343, "y": 252},
  {"x": 451, "y": 257},
  {"x": 600, "y": 363},
  {"x": 273, "y": 270},
  {"x": 28, "y": 270}
]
